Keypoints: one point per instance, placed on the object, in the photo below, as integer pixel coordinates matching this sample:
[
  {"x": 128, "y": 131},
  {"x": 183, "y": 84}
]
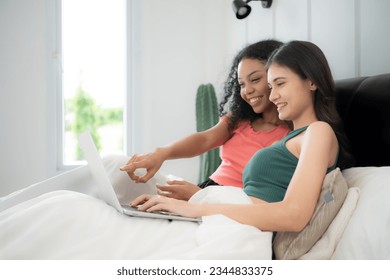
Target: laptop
[{"x": 105, "y": 189}]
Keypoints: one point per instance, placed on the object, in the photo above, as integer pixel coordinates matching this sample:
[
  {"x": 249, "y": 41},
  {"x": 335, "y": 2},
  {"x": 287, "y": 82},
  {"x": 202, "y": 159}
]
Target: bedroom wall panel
[
  {"x": 352, "y": 33},
  {"x": 291, "y": 19},
  {"x": 182, "y": 46},
  {"x": 23, "y": 141},
  {"x": 374, "y": 38},
  {"x": 333, "y": 28},
  {"x": 259, "y": 24}
]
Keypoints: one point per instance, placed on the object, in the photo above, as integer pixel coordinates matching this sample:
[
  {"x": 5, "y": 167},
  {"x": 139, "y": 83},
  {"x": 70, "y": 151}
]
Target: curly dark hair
[{"x": 231, "y": 101}]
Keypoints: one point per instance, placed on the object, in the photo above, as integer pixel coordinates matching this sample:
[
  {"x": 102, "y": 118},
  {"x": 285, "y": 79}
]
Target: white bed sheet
[{"x": 72, "y": 225}]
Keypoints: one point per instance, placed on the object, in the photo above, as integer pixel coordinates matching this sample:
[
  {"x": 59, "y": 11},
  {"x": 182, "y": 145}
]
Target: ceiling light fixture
[{"x": 242, "y": 9}]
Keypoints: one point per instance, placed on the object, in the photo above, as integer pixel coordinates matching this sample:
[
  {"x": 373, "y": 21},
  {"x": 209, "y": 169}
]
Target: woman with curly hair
[{"x": 248, "y": 123}]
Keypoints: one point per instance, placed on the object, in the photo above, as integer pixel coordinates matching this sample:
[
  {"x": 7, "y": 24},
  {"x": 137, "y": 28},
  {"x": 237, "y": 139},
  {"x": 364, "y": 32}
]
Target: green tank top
[{"x": 268, "y": 173}]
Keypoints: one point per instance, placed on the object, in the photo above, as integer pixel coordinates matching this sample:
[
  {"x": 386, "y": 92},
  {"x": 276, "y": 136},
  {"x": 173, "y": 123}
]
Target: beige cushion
[
  {"x": 326, "y": 245},
  {"x": 293, "y": 245}
]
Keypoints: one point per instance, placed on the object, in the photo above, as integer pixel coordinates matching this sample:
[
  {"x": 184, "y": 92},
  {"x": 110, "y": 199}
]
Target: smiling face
[
  {"x": 292, "y": 95},
  {"x": 252, "y": 79}
]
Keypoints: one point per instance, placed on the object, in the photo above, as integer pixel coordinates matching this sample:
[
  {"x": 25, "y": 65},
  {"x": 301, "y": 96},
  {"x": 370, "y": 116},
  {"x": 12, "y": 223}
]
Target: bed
[
  {"x": 364, "y": 105},
  {"x": 62, "y": 217},
  {"x": 70, "y": 222}
]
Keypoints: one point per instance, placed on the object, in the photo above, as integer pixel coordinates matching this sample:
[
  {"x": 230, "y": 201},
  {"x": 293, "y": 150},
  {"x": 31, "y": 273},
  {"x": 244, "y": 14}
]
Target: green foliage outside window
[{"x": 89, "y": 116}]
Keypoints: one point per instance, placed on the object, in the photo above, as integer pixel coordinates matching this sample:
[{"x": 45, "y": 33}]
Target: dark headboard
[{"x": 364, "y": 106}]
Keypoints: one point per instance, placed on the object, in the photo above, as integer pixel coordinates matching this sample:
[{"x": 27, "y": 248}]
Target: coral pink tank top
[{"x": 240, "y": 148}]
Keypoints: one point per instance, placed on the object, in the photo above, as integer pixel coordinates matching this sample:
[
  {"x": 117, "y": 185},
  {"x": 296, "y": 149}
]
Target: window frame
[{"x": 55, "y": 104}]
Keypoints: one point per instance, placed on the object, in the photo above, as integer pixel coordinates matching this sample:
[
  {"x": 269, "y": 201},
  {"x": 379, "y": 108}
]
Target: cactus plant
[{"x": 207, "y": 117}]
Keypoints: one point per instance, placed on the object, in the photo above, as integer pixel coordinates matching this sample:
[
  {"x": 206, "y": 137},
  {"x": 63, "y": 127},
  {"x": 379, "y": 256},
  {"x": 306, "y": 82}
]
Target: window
[{"x": 91, "y": 88}]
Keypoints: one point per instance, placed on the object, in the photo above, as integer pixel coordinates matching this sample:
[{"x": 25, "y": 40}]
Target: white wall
[
  {"x": 352, "y": 33},
  {"x": 23, "y": 107},
  {"x": 180, "y": 44}
]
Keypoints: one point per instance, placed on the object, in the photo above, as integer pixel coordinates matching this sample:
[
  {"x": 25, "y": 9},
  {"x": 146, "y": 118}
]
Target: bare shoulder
[
  {"x": 320, "y": 135},
  {"x": 320, "y": 128}
]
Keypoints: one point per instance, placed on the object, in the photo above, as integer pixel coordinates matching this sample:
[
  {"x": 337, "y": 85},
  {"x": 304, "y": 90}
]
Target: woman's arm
[
  {"x": 178, "y": 189},
  {"x": 190, "y": 146},
  {"x": 318, "y": 151}
]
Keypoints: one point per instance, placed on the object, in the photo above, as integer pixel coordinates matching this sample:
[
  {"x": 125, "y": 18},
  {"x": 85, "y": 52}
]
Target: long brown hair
[{"x": 309, "y": 62}]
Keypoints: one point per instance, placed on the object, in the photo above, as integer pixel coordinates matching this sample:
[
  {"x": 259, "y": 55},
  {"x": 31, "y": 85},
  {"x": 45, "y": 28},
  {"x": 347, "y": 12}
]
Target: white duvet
[
  {"x": 72, "y": 225},
  {"x": 61, "y": 218}
]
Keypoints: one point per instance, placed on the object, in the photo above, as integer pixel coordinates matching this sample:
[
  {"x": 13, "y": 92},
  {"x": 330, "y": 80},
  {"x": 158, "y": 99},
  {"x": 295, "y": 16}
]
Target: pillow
[
  {"x": 326, "y": 246},
  {"x": 367, "y": 235},
  {"x": 292, "y": 245}
]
